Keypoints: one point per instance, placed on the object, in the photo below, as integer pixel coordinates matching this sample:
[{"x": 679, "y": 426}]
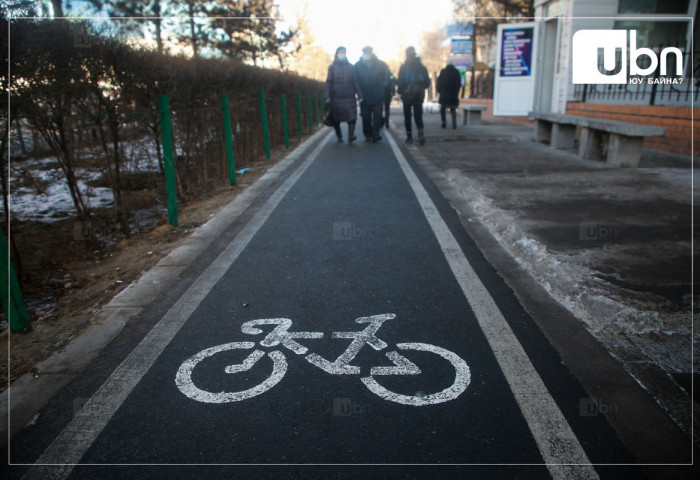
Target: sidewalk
[{"x": 613, "y": 246}]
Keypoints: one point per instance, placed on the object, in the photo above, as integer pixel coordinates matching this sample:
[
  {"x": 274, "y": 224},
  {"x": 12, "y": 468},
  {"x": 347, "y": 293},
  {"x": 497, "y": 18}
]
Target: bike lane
[{"x": 348, "y": 240}]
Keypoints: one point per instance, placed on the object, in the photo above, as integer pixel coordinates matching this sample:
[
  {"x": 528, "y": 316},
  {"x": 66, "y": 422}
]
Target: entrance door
[{"x": 548, "y": 60}]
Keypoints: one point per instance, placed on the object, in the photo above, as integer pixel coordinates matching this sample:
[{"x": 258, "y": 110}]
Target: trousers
[
  {"x": 371, "y": 119},
  {"x": 417, "y": 116}
]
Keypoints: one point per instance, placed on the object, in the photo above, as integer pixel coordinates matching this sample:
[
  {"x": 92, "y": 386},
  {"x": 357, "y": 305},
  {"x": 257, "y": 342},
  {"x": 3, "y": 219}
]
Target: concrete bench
[
  {"x": 619, "y": 143},
  {"x": 471, "y": 114}
]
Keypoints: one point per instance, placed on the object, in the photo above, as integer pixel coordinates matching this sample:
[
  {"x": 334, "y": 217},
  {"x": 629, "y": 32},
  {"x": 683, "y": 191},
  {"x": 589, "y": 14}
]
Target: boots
[
  {"x": 351, "y": 132},
  {"x": 338, "y": 133},
  {"x": 409, "y": 137},
  {"x": 454, "y": 119},
  {"x": 421, "y": 137}
]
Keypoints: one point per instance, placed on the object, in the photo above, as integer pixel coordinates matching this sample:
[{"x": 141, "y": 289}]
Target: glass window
[
  {"x": 653, "y": 6},
  {"x": 657, "y": 34}
]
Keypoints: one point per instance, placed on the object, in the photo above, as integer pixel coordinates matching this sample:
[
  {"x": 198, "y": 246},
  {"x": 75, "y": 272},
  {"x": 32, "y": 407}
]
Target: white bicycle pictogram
[{"x": 281, "y": 336}]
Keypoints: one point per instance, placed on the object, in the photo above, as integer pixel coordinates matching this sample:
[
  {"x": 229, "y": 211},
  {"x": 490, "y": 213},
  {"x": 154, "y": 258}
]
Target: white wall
[{"x": 574, "y": 15}]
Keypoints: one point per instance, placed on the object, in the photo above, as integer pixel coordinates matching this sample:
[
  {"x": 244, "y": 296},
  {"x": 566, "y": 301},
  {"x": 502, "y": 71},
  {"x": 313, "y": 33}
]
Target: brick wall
[{"x": 676, "y": 121}]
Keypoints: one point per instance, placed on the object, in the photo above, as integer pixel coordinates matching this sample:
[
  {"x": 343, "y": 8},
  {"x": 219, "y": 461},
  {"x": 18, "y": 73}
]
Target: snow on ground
[
  {"x": 566, "y": 276},
  {"x": 55, "y": 202}
]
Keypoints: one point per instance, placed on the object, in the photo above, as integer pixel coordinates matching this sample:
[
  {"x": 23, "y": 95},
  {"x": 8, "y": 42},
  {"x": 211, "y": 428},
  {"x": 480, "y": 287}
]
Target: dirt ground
[{"x": 67, "y": 279}]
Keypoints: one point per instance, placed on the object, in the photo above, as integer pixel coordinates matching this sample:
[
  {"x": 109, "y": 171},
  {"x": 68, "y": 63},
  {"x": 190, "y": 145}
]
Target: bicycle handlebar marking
[{"x": 281, "y": 336}]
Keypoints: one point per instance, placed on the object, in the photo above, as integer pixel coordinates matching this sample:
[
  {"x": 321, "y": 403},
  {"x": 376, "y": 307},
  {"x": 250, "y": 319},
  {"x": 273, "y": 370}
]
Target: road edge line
[{"x": 557, "y": 443}]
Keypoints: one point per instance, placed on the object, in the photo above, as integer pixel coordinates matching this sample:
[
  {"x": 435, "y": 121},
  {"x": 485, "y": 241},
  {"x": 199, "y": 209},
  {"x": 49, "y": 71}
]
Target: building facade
[{"x": 657, "y": 24}]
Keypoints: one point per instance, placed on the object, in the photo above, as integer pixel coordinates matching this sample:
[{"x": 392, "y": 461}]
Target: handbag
[{"x": 328, "y": 115}]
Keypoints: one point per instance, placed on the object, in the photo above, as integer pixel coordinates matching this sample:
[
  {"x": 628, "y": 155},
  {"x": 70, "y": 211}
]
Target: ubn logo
[{"x": 588, "y": 45}]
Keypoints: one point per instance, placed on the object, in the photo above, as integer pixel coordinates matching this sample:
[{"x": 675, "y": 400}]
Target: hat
[
  {"x": 368, "y": 49},
  {"x": 411, "y": 51}
]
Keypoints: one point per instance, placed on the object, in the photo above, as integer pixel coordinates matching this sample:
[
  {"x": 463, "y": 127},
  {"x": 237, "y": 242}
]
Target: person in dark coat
[
  {"x": 448, "y": 84},
  {"x": 342, "y": 87},
  {"x": 412, "y": 81},
  {"x": 389, "y": 92},
  {"x": 372, "y": 74}
]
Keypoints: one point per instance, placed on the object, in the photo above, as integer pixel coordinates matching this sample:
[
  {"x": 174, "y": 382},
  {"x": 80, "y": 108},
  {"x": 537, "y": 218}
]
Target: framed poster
[{"x": 516, "y": 51}]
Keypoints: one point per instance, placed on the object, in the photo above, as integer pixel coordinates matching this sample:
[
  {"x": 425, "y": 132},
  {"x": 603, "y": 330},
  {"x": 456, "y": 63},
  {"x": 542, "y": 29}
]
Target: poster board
[{"x": 516, "y": 69}]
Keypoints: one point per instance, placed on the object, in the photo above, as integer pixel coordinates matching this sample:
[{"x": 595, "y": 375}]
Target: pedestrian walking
[
  {"x": 389, "y": 92},
  {"x": 412, "y": 81},
  {"x": 448, "y": 84},
  {"x": 342, "y": 89},
  {"x": 372, "y": 74}
]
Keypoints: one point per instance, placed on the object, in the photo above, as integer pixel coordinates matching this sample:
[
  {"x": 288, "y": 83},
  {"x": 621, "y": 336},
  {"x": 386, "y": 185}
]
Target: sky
[{"x": 387, "y": 25}]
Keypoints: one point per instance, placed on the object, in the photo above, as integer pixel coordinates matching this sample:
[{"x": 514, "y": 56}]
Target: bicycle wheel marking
[
  {"x": 282, "y": 336},
  {"x": 462, "y": 379},
  {"x": 183, "y": 379}
]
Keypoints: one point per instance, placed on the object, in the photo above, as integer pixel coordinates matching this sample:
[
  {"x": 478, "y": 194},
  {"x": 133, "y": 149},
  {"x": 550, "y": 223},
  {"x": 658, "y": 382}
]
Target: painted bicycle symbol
[{"x": 282, "y": 336}]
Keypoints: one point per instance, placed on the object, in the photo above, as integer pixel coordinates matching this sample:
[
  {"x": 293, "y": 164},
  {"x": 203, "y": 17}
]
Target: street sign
[
  {"x": 465, "y": 60},
  {"x": 460, "y": 30},
  {"x": 461, "y": 46}
]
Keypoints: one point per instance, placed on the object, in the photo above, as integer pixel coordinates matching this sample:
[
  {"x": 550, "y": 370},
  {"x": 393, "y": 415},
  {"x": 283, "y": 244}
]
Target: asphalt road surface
[{"x": 346, "y": 318}]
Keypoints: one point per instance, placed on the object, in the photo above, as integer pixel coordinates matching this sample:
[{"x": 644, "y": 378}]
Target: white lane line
[
  {"x": 72, "y": 443},
  {"x": 560, "y": 449}
]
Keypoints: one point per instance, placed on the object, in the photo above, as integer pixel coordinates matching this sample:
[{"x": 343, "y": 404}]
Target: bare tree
[
  {"x": 307, "y": 58},
  {"x": 123, "y": 12},
  {"x": 434, "y": 52},
  {"x": 481, "y": 9}
]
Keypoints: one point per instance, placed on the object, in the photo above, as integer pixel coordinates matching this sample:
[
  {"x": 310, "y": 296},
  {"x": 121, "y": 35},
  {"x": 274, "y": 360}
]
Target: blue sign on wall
[
  {"x": 460, "y": 30},
  {"x": 465, "y": 60},
  {"x": 461, "y": 46}
]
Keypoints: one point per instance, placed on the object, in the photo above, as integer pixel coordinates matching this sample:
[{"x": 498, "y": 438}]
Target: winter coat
[
  {"x": 412, "y": 81},
  {"x": 448, "y": 84},
  {"x": 373, "y": 75},
  {"x": 341, "y": 87}
]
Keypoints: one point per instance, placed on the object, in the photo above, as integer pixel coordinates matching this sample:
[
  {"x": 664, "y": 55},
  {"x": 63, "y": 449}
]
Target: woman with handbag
[{"x": 341, "y": 88}]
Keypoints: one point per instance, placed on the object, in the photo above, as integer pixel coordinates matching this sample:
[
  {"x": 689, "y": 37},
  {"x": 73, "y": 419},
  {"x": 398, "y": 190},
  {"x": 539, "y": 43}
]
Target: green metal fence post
[
  {"x": 308, "y": 101},
  {"x": 299, "y": 114},
  {"x": 285, "y": 127},
  {"x": 168, "y": 158},
  {"x": 228, "y": 139},
  {"x": 266, "y": 131},
  {"x": 12, "y": 301},
  {"x": 316, "y": 110}
]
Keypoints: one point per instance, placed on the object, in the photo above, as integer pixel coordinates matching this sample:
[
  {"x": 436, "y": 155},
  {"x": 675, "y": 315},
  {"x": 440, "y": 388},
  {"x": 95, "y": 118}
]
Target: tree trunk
[
  {"x": 159, "y": 35},
  {"x": 193, "y": 31},
  {"x": 15, "y": 256},
  {"x": 117, "y": 187},
  {"x": 158, "y": 23},
  {"x": 20, "y": 137},
  {"x": 57, "y": 8},
  {"x": 62, "y": 146}
]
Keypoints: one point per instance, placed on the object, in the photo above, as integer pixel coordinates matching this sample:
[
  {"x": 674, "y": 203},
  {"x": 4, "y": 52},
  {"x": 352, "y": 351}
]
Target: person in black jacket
[
  {"x": 412, "y": 81},
  {"x": 448, "y": 84},
  {"x": 372, "y": 74}
]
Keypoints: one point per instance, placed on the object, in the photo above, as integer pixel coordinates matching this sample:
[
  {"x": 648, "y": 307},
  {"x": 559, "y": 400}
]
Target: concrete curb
[{"x": 32, "y": 391}]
